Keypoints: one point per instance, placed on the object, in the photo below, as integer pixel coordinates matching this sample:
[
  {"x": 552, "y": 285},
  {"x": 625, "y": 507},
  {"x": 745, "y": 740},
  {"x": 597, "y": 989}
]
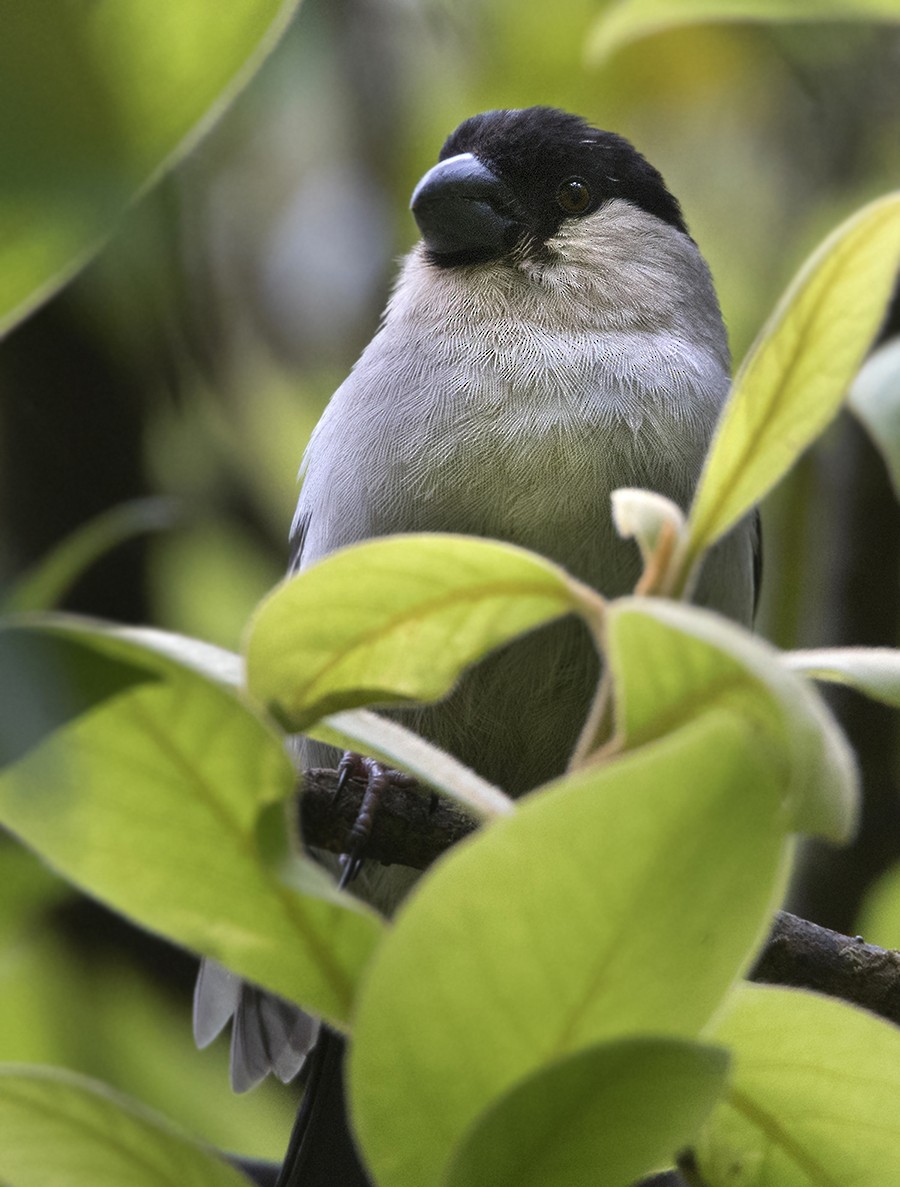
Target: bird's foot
[{"x": 378, "y": 777}]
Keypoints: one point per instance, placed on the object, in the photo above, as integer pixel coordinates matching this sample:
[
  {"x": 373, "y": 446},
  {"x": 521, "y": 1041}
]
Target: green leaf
[
  {"x": 672, "y": 662},
  {"x": 96, "y": 101},
  {"x": 813, "y": 1097},
  {"x": 61, "y": 1130},
  {"x": 874, "y": 671},
  {"x": 397, "y": 619},
  {"x": 154, "y": 802},
  {"x": 630, "y": 20},
  {"x": 797, "y": 374},
  {"x": 879, "y": 919},
  {"x": 607, "y": 1115},
  {"x": 28, "y": 891},
  {"x": 43, "y": 587},
  {"x": 875, "y": 400},
  {"x": 400, "y": 748},
  {"x": 575, "y": 921}
]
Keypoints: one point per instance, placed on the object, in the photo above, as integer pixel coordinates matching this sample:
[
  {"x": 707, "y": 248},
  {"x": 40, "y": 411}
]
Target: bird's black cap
[{"x": 533, "y": 152}]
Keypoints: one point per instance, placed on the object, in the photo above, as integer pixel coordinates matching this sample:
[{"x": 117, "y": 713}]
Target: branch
[
  {"x": 414, "y": 825},
  {"x": 812, "y": 957}
]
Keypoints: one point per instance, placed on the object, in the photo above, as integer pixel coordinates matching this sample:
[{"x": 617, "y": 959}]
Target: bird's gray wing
[{"x": 297, "y": 538}]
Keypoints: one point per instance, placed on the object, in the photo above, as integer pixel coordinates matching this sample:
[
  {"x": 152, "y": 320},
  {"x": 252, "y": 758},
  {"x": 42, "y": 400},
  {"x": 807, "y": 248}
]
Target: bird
[{"x": 553, "y": 335}]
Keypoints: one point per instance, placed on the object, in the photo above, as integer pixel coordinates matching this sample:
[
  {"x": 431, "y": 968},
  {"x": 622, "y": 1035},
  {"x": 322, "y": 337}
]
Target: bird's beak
[{"x": 464, "y": 210}]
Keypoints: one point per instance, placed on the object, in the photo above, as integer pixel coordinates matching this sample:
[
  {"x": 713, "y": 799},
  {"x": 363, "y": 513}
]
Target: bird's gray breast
[
  {"x": 520, "y": 437},
  {"x": 523, "y": 444}
]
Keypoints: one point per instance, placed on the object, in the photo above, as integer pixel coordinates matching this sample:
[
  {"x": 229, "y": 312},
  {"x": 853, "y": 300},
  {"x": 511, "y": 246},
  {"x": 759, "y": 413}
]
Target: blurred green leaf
[
  {"x": 206, "y": 579},
  {"x": 797, "y": 374},
  {"x": 152, "y": 802},
  {"x": 874, "y": 671},
  {"x": 879, "y": 918},
  {"x": 97, "y": 98},
  {"x": 43, "y": 587},
  {"x": 629, "y": 20},
  {"x": 104, "y": 1019},
  {"x": 46, "y": 682},
  {"x": 27, "y": 890},
  {"x": 813, "y": 1095},
  {"x": 621, "y": 900},
  {"x": 607, "y": 1115},
  {"x": 397, "y": 619},
  {"x": 672, "y": 662},
  {"x": 59, "y": 1128},
  {"x": 875, "y": 399}
]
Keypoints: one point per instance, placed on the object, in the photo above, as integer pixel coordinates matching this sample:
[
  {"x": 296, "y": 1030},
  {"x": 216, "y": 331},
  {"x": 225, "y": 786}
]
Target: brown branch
[
  {"x": 413, "y": 826},
  {"x": 803, "y": 954}
]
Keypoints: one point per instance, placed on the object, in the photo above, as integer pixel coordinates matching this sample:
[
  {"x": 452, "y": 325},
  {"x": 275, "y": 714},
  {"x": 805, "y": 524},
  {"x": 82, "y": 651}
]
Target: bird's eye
[{"x": 574, "y": 196}]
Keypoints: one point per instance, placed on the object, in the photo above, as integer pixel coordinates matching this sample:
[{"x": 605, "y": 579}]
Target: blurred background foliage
[{"x": 193, "y": 356}]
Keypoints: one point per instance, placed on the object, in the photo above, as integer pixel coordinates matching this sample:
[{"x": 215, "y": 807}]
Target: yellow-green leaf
[
  {"x": 798, "y": 372},
  {"x": 630, "y": 20},
  {"x": 397, "y": 619},
  {"x": 672, "y": 662},
  {"x": 813, "y": 1095},
  {"x": 577, "y": 920}
]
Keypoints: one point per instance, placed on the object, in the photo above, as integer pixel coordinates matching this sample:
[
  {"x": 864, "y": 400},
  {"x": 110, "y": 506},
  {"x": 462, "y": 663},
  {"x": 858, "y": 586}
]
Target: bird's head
[{"x": 531, "y": 183}]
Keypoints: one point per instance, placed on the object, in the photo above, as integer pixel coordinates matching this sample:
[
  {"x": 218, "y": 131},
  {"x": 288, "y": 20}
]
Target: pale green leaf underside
[
  {"x": 813, "y": 1094},
  {"x": 555, "y": 892},
  {"x": 96, "y": 100},
  {"x": 630, "y": 20},
  {"x": 379, "y": 737},
  {"x": 61, "y": 1129},
  {"x": 874, "y": 671}
]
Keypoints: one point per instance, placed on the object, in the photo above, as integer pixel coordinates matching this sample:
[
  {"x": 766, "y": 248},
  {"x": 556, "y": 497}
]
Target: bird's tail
[{"x": 321, "y": 1152}]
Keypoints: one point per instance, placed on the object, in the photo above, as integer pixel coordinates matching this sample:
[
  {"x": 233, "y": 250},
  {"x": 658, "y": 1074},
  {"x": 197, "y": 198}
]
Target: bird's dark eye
[{"x": 574, "y": 196}]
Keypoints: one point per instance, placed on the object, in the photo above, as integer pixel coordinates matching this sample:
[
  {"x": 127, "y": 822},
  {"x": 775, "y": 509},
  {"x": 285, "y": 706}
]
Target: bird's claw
[{"x": 378, "y": 776}]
